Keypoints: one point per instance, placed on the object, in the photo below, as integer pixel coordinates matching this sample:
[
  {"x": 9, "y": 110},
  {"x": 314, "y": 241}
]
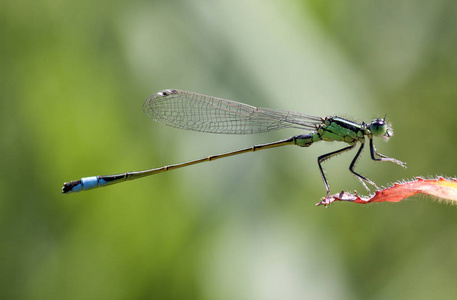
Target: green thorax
[{"x": 342, "y": 130}]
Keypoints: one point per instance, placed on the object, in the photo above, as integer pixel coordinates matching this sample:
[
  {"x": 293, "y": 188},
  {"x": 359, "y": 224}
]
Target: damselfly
[{"x": 197, "y": 112}]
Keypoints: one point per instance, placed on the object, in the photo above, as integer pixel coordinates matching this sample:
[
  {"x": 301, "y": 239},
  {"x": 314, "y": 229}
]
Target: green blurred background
[{"x": 73, "y": 78}]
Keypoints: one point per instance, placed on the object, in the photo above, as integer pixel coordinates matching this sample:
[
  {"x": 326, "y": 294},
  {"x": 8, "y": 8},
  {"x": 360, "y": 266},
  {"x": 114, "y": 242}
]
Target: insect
[{"x": 197, "y": 112}]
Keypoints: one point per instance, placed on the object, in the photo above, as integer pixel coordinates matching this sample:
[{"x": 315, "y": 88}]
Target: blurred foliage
[{"x": 73, "y": 78}]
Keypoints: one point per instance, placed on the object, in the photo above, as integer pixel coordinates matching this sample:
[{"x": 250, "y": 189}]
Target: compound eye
[{"x": 378, "y": 127}]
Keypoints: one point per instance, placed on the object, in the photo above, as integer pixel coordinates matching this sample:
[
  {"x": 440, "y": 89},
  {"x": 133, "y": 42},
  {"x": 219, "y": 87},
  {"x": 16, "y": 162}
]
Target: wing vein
[{"x": 197, "y": 112}]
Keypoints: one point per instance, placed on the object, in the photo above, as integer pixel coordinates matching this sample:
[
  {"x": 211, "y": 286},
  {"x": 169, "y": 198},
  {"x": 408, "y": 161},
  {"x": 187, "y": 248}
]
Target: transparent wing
[{"x": 197, "y": 112}]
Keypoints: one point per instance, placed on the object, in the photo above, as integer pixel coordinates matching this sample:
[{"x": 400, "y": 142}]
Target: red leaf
[{"x": 441, "y": 188}]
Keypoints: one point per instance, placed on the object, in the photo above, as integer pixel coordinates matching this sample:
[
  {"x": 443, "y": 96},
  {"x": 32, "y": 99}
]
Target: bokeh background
[{"x": 73, "y": 78}]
